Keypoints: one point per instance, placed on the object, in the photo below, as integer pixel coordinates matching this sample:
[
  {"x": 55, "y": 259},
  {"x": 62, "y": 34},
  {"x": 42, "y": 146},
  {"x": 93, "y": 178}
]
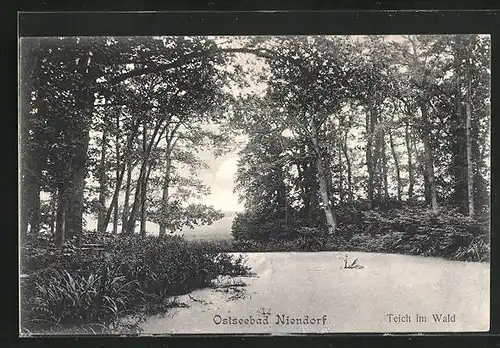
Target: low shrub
[
  {"x": 231, "y": 266},
  {"x": 477, "y": 250},
  {"x": 390, "y": 228},
  {"x": 251, "y": 226},
  {"x": 434, "y": 243},
  {"x": 418, "y": 220},
  {"x": 70, "y": 286},
  {"x": 247, "y": 246},
  {"x": 58, "y": 297}
]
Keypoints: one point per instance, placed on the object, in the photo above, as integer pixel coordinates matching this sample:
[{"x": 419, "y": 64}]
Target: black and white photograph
[{"x": 266, "y": 184}]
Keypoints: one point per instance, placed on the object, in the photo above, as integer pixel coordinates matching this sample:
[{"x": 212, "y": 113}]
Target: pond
[{"x": 313, "y": 293}]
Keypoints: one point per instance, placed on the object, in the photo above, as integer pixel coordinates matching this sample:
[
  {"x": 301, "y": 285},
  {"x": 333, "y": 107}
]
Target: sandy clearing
[{"x": 353, "y": 300}]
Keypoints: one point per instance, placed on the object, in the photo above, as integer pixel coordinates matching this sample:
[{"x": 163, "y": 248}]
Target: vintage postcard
[{"x": 254, "y": 184}]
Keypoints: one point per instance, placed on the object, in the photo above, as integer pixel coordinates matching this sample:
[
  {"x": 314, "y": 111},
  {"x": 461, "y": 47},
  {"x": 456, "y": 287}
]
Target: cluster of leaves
[
  {"x": 71, "y": 287},
  {"x": 179, "y": 215}
]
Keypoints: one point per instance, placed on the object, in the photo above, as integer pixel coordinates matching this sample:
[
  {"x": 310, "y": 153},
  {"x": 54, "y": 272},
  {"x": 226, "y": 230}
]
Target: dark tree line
[
  {"x": 372, "y": 121},
  {"x": 122, "y": 113},
  {"x": 342, "y": 121}
]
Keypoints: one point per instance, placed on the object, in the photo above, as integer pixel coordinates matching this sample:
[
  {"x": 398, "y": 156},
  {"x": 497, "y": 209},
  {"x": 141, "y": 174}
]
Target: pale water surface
[{"x": 352, "y": 300}]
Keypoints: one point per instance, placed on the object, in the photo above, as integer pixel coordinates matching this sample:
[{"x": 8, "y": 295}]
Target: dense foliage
[
  {"x": 369, "y": 136},
  {"x": 98, "y": 288},
  {"x": 104, "y": 133},
  {"x": 414, "y": 231}
]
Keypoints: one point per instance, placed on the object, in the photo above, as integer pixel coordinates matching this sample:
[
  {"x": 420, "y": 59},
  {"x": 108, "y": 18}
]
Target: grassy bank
[{"x": 92, "y": 290}]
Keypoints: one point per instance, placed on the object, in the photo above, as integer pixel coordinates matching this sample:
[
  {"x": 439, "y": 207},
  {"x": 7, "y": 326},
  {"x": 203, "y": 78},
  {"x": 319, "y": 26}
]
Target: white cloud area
[{"x": 220, "y": 178}]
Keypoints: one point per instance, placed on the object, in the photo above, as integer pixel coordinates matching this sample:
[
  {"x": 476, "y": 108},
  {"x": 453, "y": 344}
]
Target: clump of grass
[
  {"x": 351, "y": 264},
  {"x": 477, "y": 250}
]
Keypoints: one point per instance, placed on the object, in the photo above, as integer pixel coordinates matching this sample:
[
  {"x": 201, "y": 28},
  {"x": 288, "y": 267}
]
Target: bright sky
[
  {"x": 221, "y": 175},
  {"x": 220, "y": 178}
]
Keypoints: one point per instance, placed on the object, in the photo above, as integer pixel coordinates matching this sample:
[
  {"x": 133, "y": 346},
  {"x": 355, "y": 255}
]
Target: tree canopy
[{"x": 107, "y": 123}]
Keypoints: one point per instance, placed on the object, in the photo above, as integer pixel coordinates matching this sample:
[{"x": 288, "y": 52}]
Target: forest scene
[{"x": 153, "y": 169}]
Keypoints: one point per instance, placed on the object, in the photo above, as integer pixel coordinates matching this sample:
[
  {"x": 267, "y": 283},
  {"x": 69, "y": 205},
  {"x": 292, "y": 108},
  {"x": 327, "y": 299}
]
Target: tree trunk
[
  {"x": 117, "y": 173},
  {"x": 60, "y": 234},
  {"x": 74, "y": 210},
  {"x": 126, "y": 207},
  {"x": 32, "y": 168},
  {"x": 281, "y": 196},
  {"x": 370, "y": 125},
  {"x": 378, "y": 162},
  {"x": 144, "y": 202},
  {"x": 323, "y": 182},
  {"x": 459, "y": 141},
  {"x": 102, "y": 181},
  {"x": 27, "y": 180},
  {"x": 428, "y": 157},
  {"x": 85, "y": 106},
  {"x": 118, "y": 185},
  {"x": 300, "y": 178},
  {"x": 420, "y": 166},
  {"x": 470, "y": 167},
  {"x": 425, "y": 134},
  {"x": 115, "y": 217},
  {"x": 135, "y": 205},
  {"x": 28, "y": 62},
  {"x": 143, "y": 183},
  {"x": 35, "y": 209},
  {"x": 53, "y": 213},
  {"x": 427, "y": 187},
  {"x": 411, "y": 170},
  {"x": 384, "y": 165},
  {"x": 24, "y": 209},
  {"x": 165, "y": 194},
  {"x": 75, "y": 193},
  {"x": 113, "y": 200},
  {"x": 132, "y": 218},
  {"x": 396, "y": 164},
  {"x": 142, "y": 174},
  {"x": 303, "y": 170},
  {"x": 341, "y": 169},
  {"x": 349, "y": 170},
  {"x": 479, "y": 150}
]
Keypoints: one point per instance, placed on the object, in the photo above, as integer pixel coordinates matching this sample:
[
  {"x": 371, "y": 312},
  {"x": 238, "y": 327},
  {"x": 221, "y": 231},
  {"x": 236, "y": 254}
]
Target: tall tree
[
  {"x": 470, "y": 163},
  {"x": 395, "y": 157},
  {"x": 371, "y": 86},
  {"x": 311, "y": 88}
]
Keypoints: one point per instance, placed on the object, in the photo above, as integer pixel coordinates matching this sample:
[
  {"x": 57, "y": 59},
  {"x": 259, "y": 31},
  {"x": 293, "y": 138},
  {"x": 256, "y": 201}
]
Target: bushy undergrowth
[
  {"x": 299, "y": 244},
  {"x": 251, "y": 226},
  {"x": 406, "y": 230},
  {"x": 69, "y": 286}
]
